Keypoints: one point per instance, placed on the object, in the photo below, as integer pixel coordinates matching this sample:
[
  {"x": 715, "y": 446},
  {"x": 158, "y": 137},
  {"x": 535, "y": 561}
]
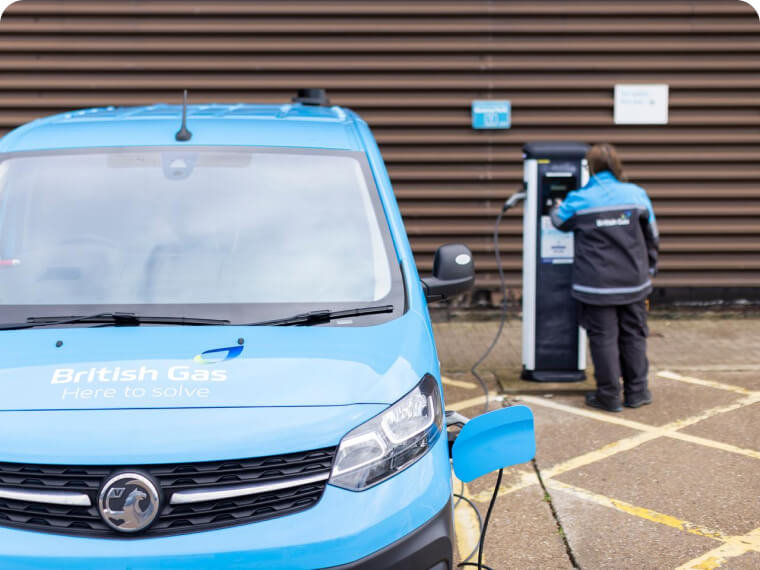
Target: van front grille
[{"x": 195, "y": 496}]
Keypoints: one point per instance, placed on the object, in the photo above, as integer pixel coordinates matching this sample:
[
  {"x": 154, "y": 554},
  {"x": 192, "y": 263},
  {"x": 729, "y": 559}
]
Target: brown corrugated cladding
[{"x": 412, "y": 68}]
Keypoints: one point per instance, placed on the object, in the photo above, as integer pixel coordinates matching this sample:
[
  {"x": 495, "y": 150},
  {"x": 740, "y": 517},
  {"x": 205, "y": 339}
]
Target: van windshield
[{"x": 233, "y": 233}]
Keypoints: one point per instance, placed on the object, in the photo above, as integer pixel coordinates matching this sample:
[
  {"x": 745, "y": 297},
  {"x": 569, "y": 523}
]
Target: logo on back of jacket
[{"x": 623, "y": 220}]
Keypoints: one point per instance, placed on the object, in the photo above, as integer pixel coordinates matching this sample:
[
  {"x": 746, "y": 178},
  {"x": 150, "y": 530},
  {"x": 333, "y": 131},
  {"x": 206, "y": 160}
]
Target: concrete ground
[{"x": 672, "y": 485}]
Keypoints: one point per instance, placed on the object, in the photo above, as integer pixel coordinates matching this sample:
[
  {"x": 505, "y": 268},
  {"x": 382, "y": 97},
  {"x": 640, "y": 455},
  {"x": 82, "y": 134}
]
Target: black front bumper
[{"x": 430, "y": 547}]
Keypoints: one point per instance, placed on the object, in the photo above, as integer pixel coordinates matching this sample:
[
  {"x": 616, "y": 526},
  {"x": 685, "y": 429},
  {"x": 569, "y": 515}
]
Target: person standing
[{"x": 616, "y": 247}]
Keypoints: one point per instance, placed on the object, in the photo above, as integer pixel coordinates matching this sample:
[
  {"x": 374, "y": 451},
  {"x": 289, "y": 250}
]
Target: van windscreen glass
[{"x": 235, "y": 233}]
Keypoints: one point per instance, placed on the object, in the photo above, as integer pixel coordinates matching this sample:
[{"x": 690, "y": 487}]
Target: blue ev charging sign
[{"x": 491, "y": 114}]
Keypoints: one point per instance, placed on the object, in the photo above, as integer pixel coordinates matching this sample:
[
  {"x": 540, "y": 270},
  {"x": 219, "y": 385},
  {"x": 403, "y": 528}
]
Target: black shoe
[
  {"x": 593, "y": 401},
  {"x": 645, "y": 401}
]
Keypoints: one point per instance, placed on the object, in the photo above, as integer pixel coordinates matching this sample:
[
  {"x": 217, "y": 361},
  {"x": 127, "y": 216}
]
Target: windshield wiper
[
  {"x": 319, "y": 317},
  {"x": 133, "y": 320},
  {"x": 116, "y": 319}
]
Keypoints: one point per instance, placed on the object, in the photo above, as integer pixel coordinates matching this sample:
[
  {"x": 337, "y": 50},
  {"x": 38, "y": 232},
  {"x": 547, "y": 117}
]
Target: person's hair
[{"x": 603, "y": 157}]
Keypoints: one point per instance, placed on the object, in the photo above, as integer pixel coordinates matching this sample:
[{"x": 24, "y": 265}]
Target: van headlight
[{"x": 391, "y": 441}]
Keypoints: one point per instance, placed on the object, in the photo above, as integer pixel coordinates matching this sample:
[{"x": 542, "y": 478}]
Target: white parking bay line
[
  {"x": 588, "y": 413},
  {"x": 472, "y": 402},
  {"x": 748, "y": 400},
  {"x": 721, "y": 368},
  {"x": 699, "y": 382},
  {"x": 646, "y": 433},
  {"x": 668, "y": 430},
  {"x": 458, "y": 383},
  {"x": 714, "y": 444},
  {"x": 526, "y": 479}
]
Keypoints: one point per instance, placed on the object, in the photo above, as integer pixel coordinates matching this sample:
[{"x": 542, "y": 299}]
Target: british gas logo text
[
  {"x": 623, "y": 220},
  {"x": 146, "y": 383},
  {"x": 218, "y": 355},
  {"x": 117, "y": 375}
]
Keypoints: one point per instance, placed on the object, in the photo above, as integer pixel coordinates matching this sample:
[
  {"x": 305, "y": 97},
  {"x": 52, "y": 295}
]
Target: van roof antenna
[{"x": 183, "y": 134}]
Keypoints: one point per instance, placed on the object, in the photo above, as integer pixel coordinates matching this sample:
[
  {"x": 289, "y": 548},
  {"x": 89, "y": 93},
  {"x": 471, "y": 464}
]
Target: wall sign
[
  {"x": 491, "y": 114},
  {"x": 641, "y": 104}
]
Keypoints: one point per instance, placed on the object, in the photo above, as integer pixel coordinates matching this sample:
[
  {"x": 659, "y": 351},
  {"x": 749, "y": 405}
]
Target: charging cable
[
  {"x": 509, "y": 204},
  {"x": 482, "y": 525}
]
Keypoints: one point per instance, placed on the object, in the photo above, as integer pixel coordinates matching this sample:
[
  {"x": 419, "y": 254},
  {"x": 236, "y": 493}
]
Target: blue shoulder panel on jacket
[
  {"x": 573, "y": 202},
  {"x": 603, "y": 191}
]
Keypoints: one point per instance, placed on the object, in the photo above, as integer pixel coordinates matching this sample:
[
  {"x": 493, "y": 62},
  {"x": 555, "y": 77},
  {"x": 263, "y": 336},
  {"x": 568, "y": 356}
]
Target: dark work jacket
[{"x": 616, "y": 240}]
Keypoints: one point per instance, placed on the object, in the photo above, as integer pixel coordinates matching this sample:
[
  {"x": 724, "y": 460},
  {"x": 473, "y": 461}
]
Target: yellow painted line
[
  {"x": 640, "y": 512},
  {"x": 647, "y": 433},
  {"x": 604, "y": 452},
  {"x": 458, "y": 383},
  {"x": 733, "y": 547},
  {"x": 699, "y": 382},
  {"x": 465, "y": 521}
]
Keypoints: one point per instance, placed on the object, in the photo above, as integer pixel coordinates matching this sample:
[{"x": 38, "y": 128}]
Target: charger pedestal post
[{"x": 553, "y": 344}]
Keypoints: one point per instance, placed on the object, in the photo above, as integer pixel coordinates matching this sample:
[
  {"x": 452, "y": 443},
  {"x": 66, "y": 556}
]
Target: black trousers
[{"x": 617, "y": 336}]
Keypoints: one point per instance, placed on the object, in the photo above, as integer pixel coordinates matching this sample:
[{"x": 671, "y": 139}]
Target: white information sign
[
  {"x": 556, "y": 246},
  {"x": 641, "y": 104}
]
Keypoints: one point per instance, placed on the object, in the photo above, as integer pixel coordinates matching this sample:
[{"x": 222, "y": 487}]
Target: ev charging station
[{"x": 553, "y": 344}]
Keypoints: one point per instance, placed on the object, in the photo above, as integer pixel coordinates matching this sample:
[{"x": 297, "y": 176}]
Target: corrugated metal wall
[{"x": 411, "y": 68}]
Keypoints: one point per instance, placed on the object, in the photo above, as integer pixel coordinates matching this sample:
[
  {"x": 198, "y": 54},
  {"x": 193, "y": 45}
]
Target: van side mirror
[
  {"x": 495, "y": 440},
  {"x": 453, "y": 272}
]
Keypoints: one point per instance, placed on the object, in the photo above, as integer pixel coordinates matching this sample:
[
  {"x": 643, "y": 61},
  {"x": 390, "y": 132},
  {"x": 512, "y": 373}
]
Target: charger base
[{"x": 553, "y": 375}]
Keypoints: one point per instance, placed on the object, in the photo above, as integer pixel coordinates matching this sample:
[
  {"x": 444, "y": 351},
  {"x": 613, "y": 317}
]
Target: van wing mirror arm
[{"x": 438, "y": 289}]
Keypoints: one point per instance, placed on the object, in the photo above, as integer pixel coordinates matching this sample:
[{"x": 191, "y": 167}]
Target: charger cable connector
[{"x": 513, "y": 199}]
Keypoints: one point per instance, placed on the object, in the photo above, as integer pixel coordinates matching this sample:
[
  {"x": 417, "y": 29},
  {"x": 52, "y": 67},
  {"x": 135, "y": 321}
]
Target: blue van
[{"x": 215, "y": 349}]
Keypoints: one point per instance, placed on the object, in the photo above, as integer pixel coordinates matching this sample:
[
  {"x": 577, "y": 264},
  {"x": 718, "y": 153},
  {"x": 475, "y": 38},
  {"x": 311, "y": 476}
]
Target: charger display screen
[{"x": 554, "y": 188}]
